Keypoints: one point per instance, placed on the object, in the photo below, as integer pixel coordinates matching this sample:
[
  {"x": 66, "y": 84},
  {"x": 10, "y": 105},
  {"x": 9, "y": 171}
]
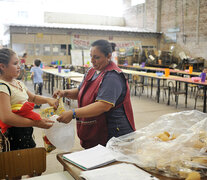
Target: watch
[{"x": 74, "y": 113}]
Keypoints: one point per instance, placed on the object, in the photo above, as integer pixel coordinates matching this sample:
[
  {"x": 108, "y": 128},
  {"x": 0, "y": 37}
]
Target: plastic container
[
  {"x": 143, "y": 64},
  {"x": 196, "y": 79},
  {"x": 167, "y": 72},
  {"x": 203, "y": 77},
  {"x": 66, "y": 70},
  {"x": 159, "y": 73},
  {"x": 190, "y": 69},
  {"x": 59, "y": 69}
]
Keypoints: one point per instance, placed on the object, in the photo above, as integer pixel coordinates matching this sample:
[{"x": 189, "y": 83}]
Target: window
[
  {"x": 63, "y": 49},
  {"x": 69, "y": 49},
  {"x": 59, "y": 49},
  {"x": 20, "y": 49},
  {"x": 30, "y": 49},
  {"x": 46, "y": 49},
  {"x": 39, "y": 49},
  {"x": 55, "y": 49}
]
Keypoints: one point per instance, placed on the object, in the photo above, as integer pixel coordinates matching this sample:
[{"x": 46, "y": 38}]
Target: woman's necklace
[{"x": 17, "y": 85}]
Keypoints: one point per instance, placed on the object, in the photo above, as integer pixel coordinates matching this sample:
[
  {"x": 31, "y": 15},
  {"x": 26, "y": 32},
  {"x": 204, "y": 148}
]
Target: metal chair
[
  {"x": 22, "y": 162},
  {"x": 199, "y": 93},
  {"x": 173, "y": 90},
  {"x": 164, "y": 88},
  {"x": 193, "y": 88},
  {"x": 136, "y": 84}
]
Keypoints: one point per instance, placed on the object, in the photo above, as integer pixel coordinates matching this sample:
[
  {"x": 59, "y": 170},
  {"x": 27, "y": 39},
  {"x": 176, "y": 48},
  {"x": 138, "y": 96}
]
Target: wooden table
[
  {"x": 155, "y": 69},
  {"x": 54, "y": 72},
  {"x": 177, "y": 79},
  {"x": 189, "y": 81},
  {"x": 152, "y": 76},
  {"x": 75, "y": 171}
]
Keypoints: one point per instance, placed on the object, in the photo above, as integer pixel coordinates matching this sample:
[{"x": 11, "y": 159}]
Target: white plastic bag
[{"x": 61, "y": 135}]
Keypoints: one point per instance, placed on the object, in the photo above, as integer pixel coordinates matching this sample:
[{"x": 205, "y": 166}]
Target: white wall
[{"x": 69, "y": 18}]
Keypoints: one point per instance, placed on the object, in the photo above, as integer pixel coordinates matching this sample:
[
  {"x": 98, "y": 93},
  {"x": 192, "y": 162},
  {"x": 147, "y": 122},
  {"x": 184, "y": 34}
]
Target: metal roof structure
[{"x": 85, "y": 27}]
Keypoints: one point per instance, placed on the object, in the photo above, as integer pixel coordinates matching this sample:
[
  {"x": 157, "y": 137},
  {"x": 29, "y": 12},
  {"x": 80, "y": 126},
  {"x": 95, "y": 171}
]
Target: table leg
[
  {"x": 52, "y": 86},
  {"x": 168, "y": 102},
  {"x": 204, "y": 100},
  {"x": 49, "y": 83},
  {"x": 57, "y": 81},
  {"x": 63, "y": 87},
  {"x": 151, "y": 86},
  {"x": 186, "y": 94},
  {"x": 158, "y": 90}
]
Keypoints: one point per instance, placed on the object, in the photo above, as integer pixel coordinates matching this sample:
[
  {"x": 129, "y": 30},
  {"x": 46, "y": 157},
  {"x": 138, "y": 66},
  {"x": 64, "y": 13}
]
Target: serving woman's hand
[
  {"x": 65, "y": 117},
  {"x": 53, "y": 102},
  {"x": 58, "y": 93},
  {"x": 44, "y": 123}
]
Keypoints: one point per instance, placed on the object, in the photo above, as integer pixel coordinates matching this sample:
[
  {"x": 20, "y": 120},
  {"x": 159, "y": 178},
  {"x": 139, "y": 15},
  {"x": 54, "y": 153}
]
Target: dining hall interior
[{"x": 155, "y": 59}]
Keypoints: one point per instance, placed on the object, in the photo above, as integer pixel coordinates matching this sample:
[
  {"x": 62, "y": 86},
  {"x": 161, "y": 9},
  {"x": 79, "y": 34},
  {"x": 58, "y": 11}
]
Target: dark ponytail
[
  {"x": 104, "y": 46},
  {"x": 5, "y": 56}
]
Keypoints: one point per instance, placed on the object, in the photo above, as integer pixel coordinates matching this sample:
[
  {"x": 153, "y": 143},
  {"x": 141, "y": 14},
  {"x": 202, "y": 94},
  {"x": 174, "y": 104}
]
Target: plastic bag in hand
[{"x": 61, "y": 135}]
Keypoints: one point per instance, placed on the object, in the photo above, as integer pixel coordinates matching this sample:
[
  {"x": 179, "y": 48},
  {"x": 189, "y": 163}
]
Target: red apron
[{"x": 93, "y": 131}]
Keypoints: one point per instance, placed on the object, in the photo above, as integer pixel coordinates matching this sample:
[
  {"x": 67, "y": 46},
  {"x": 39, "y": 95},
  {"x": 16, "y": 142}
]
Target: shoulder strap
[{"x": 7, "y": 87}]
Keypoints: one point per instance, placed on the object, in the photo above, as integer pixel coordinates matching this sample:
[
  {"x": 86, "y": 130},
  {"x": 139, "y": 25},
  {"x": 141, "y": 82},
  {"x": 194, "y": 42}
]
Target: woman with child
[{"x": 13, "y": 92}]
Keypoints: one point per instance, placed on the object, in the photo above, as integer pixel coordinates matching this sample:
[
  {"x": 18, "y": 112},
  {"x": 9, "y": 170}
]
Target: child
[
  {"x": 22, "y": 67},
  {"x": 37, "y": 78},
  {"x": 13, "y": 92},
  {"x": 205, "y": 71}
]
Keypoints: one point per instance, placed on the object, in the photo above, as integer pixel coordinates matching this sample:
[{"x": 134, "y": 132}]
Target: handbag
[{"x": 4, "y": 142}]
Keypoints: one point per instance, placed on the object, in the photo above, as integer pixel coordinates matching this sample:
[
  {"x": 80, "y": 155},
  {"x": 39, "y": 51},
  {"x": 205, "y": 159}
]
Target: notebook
[
  {"x": 120, "y": 171},
  {"x": 90, "y": 158}
]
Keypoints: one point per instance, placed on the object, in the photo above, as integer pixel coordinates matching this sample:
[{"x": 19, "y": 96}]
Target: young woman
[
  {"x": 103, "y": 98},
  {"x": 13, "y": 92}
]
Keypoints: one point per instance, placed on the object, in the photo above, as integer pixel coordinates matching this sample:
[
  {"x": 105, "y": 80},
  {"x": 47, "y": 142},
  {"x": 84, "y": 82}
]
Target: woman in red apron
[{"x": 104, "y": 106}]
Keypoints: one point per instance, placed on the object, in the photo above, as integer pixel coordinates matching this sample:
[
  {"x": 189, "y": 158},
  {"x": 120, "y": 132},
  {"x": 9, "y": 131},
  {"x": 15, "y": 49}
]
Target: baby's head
[{"x": 37, "y": 62}]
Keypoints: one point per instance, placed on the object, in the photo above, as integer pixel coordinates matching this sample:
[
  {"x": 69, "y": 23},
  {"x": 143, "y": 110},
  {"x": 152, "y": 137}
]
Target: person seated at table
[
  {"x": 204, "y": 71},
  {"x": 105, "y": 109}
]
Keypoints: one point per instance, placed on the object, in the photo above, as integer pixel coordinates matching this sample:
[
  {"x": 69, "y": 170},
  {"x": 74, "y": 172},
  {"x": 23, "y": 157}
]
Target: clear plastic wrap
[{"x": 174, "y": 145}]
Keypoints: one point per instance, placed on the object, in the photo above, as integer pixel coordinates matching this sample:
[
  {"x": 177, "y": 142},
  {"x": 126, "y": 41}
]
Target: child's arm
[
  {"x": 42, "y": 100},
  {"x": 32, "y": 75},
  {"x": 10, "y": 118}
]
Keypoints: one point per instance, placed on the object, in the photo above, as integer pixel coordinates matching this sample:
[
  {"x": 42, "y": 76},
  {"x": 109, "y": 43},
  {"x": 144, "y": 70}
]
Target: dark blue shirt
[{"x": 113, "y": 90}]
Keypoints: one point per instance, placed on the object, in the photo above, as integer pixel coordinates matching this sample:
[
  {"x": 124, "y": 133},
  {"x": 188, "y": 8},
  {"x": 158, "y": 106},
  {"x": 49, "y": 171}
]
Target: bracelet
[{"x": 74, "y": 114}]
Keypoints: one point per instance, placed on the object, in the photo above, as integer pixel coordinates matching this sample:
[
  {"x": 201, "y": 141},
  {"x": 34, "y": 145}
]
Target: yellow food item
[
  {"x": 163, "y": 137},
  {"x": 167, "y": 133},
  {"x": 50, "y": 111},
  {"x": 200, "y": 160},
  {"x": 193, "y": 176},
  {"x": 173, "y": 137},
  {"x": 183, "y": 174},
  {"x": 198, "y": 144}
]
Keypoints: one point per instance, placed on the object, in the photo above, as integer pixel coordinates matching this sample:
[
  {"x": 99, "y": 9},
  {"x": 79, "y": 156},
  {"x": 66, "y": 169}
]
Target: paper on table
[
  {"x": 90, "y": 158},
  {"x": 120, "y": 171}
]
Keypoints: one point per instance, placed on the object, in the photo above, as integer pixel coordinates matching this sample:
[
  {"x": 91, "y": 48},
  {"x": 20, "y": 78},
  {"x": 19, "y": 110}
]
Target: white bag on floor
[{"x": 61, "y": 135}]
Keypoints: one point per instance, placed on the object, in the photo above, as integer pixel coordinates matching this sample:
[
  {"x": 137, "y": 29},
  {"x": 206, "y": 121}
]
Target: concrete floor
[{"x": 146, "y": 110}]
